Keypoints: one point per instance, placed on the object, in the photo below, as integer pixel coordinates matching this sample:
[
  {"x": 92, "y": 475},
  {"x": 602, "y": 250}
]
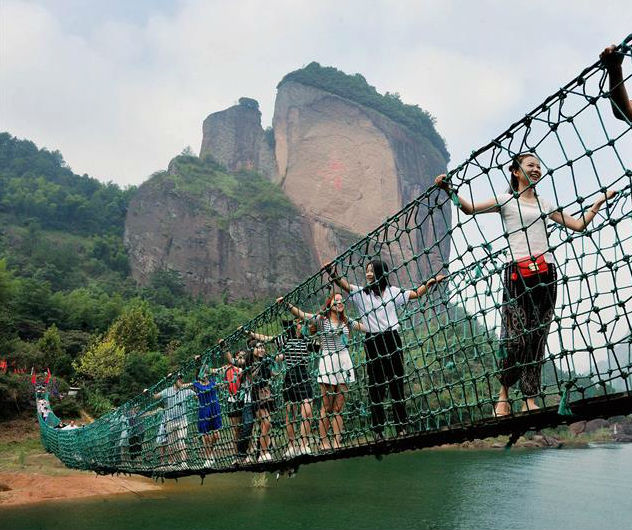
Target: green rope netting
[{"x": 336, "y": 397}]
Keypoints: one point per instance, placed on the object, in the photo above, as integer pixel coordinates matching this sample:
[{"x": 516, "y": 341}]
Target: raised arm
[
  {"x": 356, "y": 325},
  {"x": 230, "y": 359},
  {"x": 621, "y": 104},
  {"x": 153, "y": 396},
  {"x": 488, "y": 206},
  {"x": 341, "y": 282},
  {"x": 423, "y": 289},
  {"x": 207, "y": 369},
  {"x": 260, "y": 336},
  {"x": 580, "y": 224},
  {"x": 215, "y": 371},
  {"x": 295, "y": 310}
]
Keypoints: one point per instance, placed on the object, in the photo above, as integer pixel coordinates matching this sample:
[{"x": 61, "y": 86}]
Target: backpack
[{"x": 233, "y": 378}]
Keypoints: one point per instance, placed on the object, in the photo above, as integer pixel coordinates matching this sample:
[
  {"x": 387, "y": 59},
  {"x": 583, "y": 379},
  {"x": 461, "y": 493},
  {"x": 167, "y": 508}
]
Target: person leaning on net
[
  {"x": 335, "y": 367},
  {"x": 621, "y": 103},
  {"x": 377, "y": 305},
  {"x": 298, "y": 393},
  {"x": 174, "y": 400},
  {"x": 259, "y": 367},
  {"x": 239, "y": 402},
  {"x": 529, "y": 277}
]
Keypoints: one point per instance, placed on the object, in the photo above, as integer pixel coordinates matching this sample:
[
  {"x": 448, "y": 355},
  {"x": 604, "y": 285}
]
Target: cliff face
[
  {"x": 345, "y": 158},
  {"x": 223, "y": 233},
  {"x": 234, "y": 137},
  {"x": 349, "y": 167}
]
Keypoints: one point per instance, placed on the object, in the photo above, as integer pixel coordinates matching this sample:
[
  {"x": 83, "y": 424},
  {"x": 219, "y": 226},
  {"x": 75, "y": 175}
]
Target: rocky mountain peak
[
  {"x": 259, "y": 211},
  {"x": 234, "y": 137}
]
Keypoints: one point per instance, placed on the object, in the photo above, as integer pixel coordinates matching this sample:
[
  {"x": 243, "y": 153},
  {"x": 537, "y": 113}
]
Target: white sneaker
[
  {"x": 208, "y": 463},
  {"x": 290, "y": 453},
  {"x": 250, "y": 460},
  {"x": 265, "y": 457}
]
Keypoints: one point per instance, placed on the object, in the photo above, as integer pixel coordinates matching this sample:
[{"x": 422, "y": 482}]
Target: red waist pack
[{"x": 530, "y": 266}]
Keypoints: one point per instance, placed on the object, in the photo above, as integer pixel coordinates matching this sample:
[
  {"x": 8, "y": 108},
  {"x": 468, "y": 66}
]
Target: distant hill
[
  {"x": 59, "y": 227},
  {"x": 36, "y": 185}
]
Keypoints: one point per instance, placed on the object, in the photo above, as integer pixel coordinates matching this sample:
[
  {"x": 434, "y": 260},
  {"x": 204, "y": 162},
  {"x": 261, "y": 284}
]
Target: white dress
[{"x": 335, "y": 366}]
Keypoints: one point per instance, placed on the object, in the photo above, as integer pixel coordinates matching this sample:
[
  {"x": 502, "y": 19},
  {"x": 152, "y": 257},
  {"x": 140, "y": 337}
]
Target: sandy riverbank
[
  {"x": 28, "y": 474},
  {"x": 28, "y": 487}
]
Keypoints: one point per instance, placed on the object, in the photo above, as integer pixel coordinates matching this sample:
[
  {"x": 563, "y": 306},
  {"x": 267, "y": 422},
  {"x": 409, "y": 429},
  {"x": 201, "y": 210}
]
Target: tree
[
  {"x": 7, "y": 284},
  {"x": 104, "y": 359},
  {"x": 187, "y": 151},
  {"x": 55, "y": 357},
  {"x": 16, "y": 394},
  {"x": 8, "y": 289},
  {"x": 135, "y": 330},
  {"x": 249, "y": 103},
  {"x": 166, "y": 287},
  {"x": 141, "y": 371}
]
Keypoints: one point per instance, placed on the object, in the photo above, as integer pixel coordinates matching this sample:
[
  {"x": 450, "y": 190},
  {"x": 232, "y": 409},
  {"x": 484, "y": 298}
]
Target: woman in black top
[
  {"x": 259, "y": 367},
  {"x": 298, "y": 390}
]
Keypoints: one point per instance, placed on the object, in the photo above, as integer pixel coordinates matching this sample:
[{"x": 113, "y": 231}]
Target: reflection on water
[{"x": 556, "y": 489}]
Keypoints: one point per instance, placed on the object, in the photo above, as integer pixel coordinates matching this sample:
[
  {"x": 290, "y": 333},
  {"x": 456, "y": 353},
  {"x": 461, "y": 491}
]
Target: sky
[{"x": 121, "y": 87}]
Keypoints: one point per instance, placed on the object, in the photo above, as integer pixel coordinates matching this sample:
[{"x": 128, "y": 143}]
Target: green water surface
[{"x": 522, "y": 489}]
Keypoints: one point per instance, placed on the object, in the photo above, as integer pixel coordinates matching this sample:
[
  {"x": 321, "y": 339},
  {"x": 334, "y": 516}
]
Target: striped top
[
  {"x": 333, "y": 337},
  {"x": 295, "y": 351}
]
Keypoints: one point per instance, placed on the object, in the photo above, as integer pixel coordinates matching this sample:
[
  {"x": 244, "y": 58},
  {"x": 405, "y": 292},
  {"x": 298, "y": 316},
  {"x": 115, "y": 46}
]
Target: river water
[{"x": 444, "y": 489}]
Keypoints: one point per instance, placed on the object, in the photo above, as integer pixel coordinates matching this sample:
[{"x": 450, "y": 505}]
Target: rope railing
[{"x": 411, "y": 338}]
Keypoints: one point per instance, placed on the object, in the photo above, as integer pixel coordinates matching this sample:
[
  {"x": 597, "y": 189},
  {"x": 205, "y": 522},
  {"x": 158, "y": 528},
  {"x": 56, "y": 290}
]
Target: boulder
[
  {"x": 596, "y": 424},
  {"x": 577, "y": 428},
  {"x": 226, "y": 242}
]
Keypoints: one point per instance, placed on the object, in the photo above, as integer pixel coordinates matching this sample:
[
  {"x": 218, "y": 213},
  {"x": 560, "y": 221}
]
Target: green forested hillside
[
  {"x": 36, "y": 184},
  {"x": 66, "y": 298}
]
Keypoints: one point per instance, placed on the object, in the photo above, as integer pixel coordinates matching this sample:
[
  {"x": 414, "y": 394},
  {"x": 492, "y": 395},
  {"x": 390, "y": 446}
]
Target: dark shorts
[
  {"x": 297, "y": 385},
  {"x": 209, "y": 419}
]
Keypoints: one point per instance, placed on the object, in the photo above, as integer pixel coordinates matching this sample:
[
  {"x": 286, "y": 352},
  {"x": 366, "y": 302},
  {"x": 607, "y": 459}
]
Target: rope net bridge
[{"x": 283, "y": 391}]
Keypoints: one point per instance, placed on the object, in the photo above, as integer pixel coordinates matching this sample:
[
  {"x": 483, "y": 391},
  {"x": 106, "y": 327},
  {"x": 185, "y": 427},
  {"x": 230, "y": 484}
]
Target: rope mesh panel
[{"x": 445, "y": 375}]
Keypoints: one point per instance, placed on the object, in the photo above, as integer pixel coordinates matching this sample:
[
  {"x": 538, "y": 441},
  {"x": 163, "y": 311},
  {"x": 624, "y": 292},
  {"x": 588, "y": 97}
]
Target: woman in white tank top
[{"x": 530, "y": 276}]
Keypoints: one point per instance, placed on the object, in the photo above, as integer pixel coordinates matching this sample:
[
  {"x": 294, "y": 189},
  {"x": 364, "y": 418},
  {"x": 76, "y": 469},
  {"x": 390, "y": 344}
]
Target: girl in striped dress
[{"x": 335, "y": 369}]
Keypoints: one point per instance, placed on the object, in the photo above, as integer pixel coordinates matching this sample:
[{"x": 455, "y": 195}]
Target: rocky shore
[{"x": 578, "y": 434}]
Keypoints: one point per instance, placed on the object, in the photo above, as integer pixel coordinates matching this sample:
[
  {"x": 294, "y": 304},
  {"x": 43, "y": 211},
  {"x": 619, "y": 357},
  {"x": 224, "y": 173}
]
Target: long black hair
[{"x": 380, "y": 277}]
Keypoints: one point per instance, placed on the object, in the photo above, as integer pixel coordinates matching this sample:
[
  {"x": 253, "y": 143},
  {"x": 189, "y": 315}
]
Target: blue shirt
[{"x": 207, "y": 394}]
